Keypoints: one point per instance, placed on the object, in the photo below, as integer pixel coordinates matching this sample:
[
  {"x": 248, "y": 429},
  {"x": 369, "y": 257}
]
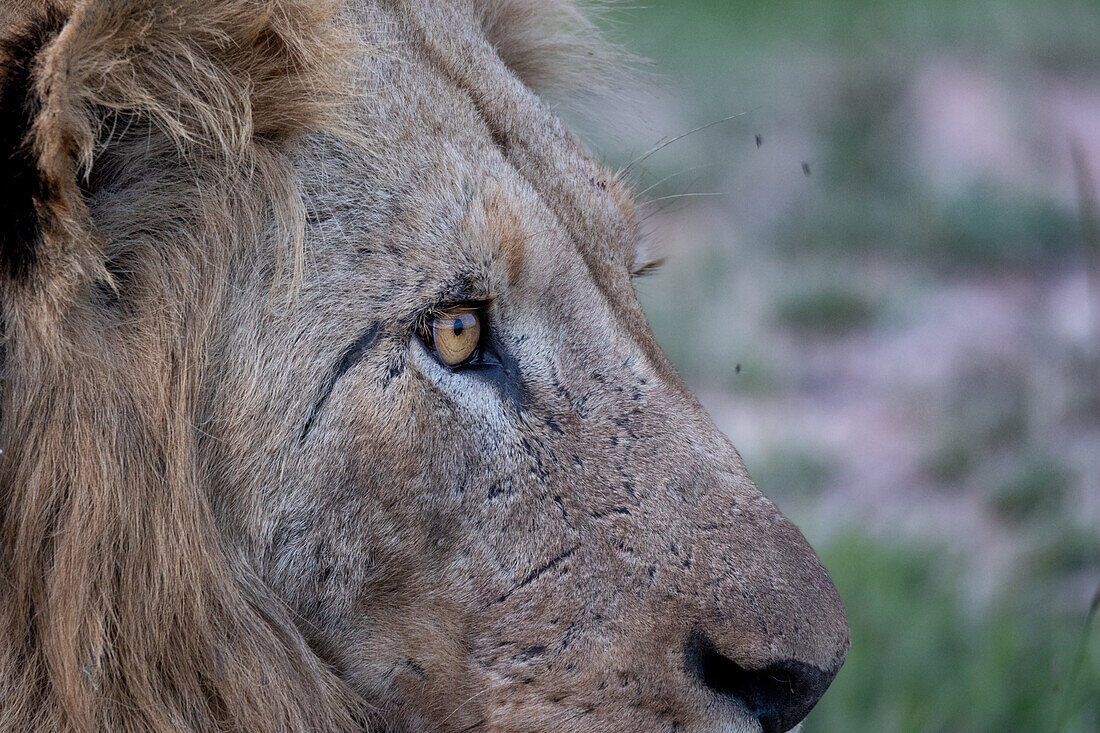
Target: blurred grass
[
  {"x": 827, "y": 310},
  {"x": 693, "y": 32},
  {"x": 922, "y": 659},
  {"x": 1036, "y": 488},
  {"x": 841, "y": 68},
  {"x": 791, "y": 474}
]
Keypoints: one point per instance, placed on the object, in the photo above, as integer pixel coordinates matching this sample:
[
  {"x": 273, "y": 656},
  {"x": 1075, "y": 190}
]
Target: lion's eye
[{"x": 456, "y": 333}]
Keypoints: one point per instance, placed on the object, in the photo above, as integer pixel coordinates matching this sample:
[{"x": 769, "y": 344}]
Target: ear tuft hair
[
  {"x": 216, "y": 79},
  {"x": 554, "y": 46},
  {"x": 20, "y": 183}
]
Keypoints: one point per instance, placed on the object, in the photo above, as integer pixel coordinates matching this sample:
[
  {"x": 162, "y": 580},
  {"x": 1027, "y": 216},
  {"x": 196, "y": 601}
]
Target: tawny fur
[{"x": 192, "y": 540}]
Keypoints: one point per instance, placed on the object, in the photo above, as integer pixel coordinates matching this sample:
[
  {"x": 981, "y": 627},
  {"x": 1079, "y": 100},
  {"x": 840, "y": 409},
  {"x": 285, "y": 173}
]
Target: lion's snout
[
  {"x": 772, "y": 653},
  {"x": 773, "y": 632},
  {"x": 733, "y": 609}
]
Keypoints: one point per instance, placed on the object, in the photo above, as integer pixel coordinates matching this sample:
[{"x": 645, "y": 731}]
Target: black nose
[{"x": 780, "y": 695}]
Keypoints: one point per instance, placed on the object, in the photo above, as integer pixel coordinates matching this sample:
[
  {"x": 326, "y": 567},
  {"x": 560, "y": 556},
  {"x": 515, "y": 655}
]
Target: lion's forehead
[{"x": 450, "y": 157}]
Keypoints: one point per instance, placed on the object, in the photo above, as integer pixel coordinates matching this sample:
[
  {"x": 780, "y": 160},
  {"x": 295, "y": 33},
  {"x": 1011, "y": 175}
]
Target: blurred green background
[{"x": 884, "y": 283}]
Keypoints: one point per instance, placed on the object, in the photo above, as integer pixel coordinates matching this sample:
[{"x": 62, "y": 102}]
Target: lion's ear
[
  {"x": 554, "y": 46},
  {"x": 206, "y": 80},
  {"x": 21, "y": 185}
]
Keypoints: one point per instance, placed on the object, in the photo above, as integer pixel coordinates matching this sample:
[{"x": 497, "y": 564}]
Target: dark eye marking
[
  {"x": 489, "y": 360},
  {"x": 498, "y": 367},
  {"x": 352, "y": 354}
]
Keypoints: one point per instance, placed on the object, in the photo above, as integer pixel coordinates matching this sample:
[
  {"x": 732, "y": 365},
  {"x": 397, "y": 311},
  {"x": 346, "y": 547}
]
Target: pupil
[{"x": 458, "y": 327}]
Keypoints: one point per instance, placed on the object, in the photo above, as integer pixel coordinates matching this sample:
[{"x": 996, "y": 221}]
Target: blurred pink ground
[{"x": 876, "y": 404}]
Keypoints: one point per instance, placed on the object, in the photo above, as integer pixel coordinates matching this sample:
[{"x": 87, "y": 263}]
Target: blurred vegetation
[
  {"x": 923, "y": 659},
  {"x": 791, "y": 474},
  {"x": 828, "y": 228},
  {"x": 828, "y": 310}
]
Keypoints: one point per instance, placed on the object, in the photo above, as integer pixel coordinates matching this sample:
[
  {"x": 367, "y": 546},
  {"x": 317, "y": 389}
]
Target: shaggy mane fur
[
  {"x": 121, "y": 611},
  {"x": 146, "y": 140}
]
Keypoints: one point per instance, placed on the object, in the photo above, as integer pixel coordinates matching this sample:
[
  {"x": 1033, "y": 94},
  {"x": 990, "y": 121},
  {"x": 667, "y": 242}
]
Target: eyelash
[{"x": 647, "y": 268}]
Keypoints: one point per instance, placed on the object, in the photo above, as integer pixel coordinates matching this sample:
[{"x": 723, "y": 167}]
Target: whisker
[
  {"x": 712, "y": 194},
  {"x": 669, "y": 177},
  {"x": 662, "y": 144},
  {"x": 471, "y": 697},
  {"x": 668, "y": 202}
]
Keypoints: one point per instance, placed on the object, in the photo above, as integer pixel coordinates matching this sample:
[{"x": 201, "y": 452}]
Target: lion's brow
[{"x": 351, "y": 355}]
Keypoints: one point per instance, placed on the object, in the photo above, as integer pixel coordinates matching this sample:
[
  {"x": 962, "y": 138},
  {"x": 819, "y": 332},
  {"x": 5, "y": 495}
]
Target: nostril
[{"x": 779, "y": 695}]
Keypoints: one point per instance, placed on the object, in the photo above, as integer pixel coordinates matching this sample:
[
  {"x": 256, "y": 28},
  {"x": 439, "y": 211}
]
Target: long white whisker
[
  {"x": 471, "y": 697},
  {"x": 669, "y": 177},
  {"x": 662, "y": 144},
  {"x": 686, "y": 195}
]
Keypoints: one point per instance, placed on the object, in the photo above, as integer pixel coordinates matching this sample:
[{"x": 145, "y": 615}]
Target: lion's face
[
  {"x": 552, "y": 535},
  {"x": 448, "y": 482}
]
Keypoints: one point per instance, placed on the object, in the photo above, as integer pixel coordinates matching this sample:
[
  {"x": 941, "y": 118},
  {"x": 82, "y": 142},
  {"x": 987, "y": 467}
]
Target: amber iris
[{"x": 456, "y": 333}]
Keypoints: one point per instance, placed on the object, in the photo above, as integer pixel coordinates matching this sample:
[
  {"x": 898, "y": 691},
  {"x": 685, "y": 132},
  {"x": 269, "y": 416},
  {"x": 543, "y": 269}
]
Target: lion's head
[{"x": 327, "y": 401}]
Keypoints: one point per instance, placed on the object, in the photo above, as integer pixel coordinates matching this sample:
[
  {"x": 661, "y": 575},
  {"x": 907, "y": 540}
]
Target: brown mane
[{"x": 121, "y": 610}]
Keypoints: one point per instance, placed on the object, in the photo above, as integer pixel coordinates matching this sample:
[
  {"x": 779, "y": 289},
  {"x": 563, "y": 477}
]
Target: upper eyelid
[
  {"x": 426, "y": 321},
  {"x": 442, "y": 304},
  {"x": 450, "y": 305},
  {"x": 480, "y": 305}
]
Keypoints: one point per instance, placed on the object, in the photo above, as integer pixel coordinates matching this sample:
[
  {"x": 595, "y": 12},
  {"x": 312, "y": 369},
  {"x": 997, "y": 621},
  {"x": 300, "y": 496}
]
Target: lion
[{"x": 327, "y": 403}]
